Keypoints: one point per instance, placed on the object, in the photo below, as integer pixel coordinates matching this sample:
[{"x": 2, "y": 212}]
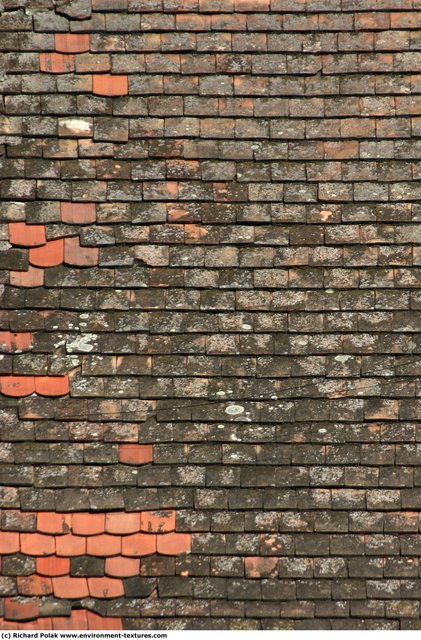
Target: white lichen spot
[
  {"x": 234, "y": 410},
  {"x": 342, "y": 358},
  {"x": 81, "y": 343}
]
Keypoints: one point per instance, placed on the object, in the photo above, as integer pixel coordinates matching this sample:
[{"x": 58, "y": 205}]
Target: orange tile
[
  {"x": 135, "y": 453},
  {"x": 67, "y": 587},
  {"x": 103, "y": 624},
  {"x": 34, "y": 585},
  {"x": 52, "y": 385},
  {"x": 75, "y": 254},
  {"x": 9, "y": 542},
  {"x": 71, "y": 42},
  {"x": 53, "y": 566},
  {"x": 5, "y": 625},
  {"x": 121, "y": 567},
  {"x": 108, "y": 85},
  {"x": 121, "y": 522},
  {"x": 49, "y": 255},
  {"x": 105, "y": 588},
  {"x": 171, "y": 544},
  {"x": 103, "y": 545},
  {"x": 76, "y": 621},
  {"x": 157, "y": 521},
  {"x": 48, "y": 522},
  {"x": 33, "y": 277},
  {"x": 41, "y": 624},
  {"x": 21, "y": 608},
  {"x": 138, "y": 544},
  {"x": 26, "y": 235},
  {"x": 56, "y": 62},
  {"x": 88, "y": 524},
  {"x": 17, "y": 386},
  {"x": 37, "y": 544},
  {"x": 70, "y": 545},
  {"x": 78, "y": 212},
  {"x": 15, "y": 341}
]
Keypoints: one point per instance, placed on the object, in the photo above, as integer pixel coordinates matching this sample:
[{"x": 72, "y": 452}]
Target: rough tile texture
[{"x": 210, "y": 292}]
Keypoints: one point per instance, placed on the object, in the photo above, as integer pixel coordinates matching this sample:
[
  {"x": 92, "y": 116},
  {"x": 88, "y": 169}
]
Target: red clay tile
[
  {"x": 103, "y": 545},
  {"x": 103, "y": 624},
  {"x": 56, "y": 62},
  {"x": 135, "y": 453},
  {"x": 33, "y": 277},
  {"x": 105, "y": 587},
  {"x": 21, "y": 608},
  {"x": 5, "y": 625},
  {"x": 53, "y": 566},
  {"x": 171, "y": 544},
  {"x": 105, "y": 84},
  {"x": 71, "y": 42},
  {"x": 70, "y": 545},
  {"x": 75, "y": 254},
  {"x": 121, "y": 567},
  {"x": 17, "y": 386},
  {"x": 49, "y": 255},
  {"x": 77, "y": 620},
  {"x": 138, "y": 544},
  {"x": 9, "y": 542},
  {"x": 157, "y": 521},
  {"x": 67, "y": 587},
  {"x": 26, "y": 235},
  {"x": 88, "y": 524},
  {"x": 41, "y": 624},
  {"x": 52, "y": 385},
  {"x": 78, "y": 212},
  {"x": 34, "y": 585},
  {"x": 260, "y": 567},
  {"x": 52, "y": 522},
  {"x": 37, "y": 544},
  {"x": 15, "y": 341},
  {"x": 121, "y": 522}
]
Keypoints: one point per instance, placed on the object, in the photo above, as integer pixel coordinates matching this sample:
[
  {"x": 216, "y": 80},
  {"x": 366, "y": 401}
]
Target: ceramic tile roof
[{"x": 210, "y": 232}]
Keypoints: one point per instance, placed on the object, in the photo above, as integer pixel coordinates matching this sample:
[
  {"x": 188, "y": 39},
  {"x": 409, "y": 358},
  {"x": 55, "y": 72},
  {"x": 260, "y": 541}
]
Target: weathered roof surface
[{"x": 210, "y": 228}]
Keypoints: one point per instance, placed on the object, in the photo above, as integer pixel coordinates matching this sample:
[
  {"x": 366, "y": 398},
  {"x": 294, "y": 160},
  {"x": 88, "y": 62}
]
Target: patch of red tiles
[
  {"x": 49, "y": 255},
  {"x": 109, "y": 85},
  {"x": 53, "y": 566},
  {"x": 88, "y": 524},
  {"x": 33, "y": 277},
  {"x": 56, "y": 62},
  {"x": 138, "y": 544},
  {"x": 71, "y": 42},
  {"x": 78, "y": 212},
  {"x": 105, "y": 587},
  {"x": 122, "y": 523},
  {"x": 122, "y": 567},
  {"x": 120, "y": 538},
  {"x": 11, "y": 342},
  {"x": 171, "y": 544},
  {"x": 157, "y": 521},
  {"x": 103, "y": 545},
  {"x": 34, "y": 585},
  {"x": 21, "y": 608},
  {"x": 78, "y": 620},
  {"x": 20, "y": 386},
  {"x": 69, "y": 587},
  {"x": 9, "y": 542},
  {"x": 76, "y": 255},
  {"x": 26, "y": 235},
  {"x": 57, "y": 523},
  {"x": 135, "y": 453}
]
